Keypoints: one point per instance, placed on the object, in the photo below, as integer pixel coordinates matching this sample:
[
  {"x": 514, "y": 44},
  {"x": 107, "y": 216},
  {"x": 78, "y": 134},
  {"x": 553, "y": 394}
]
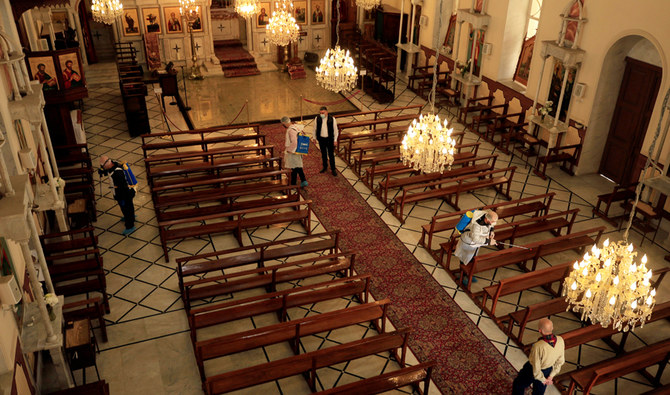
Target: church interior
[{"x": 154, "y": 238}]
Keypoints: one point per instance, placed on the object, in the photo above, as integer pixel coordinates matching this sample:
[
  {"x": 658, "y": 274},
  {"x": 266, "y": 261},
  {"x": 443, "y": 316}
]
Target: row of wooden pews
[
  {"x": 75, "y": 167},
  {"x": 260, "y": 282},
  {"x": 76, "y": 270},
  {"x": 218, "y": 180},
  {"x": 524, "y": 222}
]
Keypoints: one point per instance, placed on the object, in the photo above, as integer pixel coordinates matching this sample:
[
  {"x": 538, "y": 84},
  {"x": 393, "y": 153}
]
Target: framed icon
[
  {"x": 130, "y": 22},
  {"x": 43, "y": 69},
  {"x": 300, "y": 12},
  {"x": 152, "y": 20},
  {"x": 70, "y": 66},
  {"x": 263, "y": 16},
  {"x": 173, "y": 21},
  {"x": 195, "y": 21},
  {"x": 318, "y": 12}
]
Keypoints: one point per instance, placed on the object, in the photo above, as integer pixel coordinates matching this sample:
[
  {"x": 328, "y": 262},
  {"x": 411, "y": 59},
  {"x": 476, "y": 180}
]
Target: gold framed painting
[
  {"x": 70, "y": 66},
  {"x": 173, "y": 21},
  {"x": 130, "y": 22},
  {"x": 263, "y": 16},
  {"x": 152, "y": 20},
  {"x": 300, "y": 12},
  {"x": 43, "y": 69},
  {"x": 318, "y": 12},
  {"x": 195, "y": 21}
]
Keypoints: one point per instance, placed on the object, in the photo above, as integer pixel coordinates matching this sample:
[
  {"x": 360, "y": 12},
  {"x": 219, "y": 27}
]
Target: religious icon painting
[
  {"x": 300, "y": 12},
  {"x": 173, "y": 21},
  {"x": 152, "y": 20},
  {"x": 42, "y": 69},
  {"x": 195, "y": 21},
  {"x": 130, "y": 22},
  {"x": 59, "y": 20},
  {"x": 71, "y": 69},
  {"x": 318, "y": 12},
  {"x": 263, "y": 16}
]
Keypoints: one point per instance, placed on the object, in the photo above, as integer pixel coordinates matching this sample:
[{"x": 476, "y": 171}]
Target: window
[{"x": 523, "y": 64}]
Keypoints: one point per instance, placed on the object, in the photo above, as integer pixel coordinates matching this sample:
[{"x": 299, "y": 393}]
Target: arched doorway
[{"x": 623, "y": 103}]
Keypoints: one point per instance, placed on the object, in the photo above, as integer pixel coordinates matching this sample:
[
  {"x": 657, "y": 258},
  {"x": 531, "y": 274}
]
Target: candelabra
[
  {"x": 191, "y": 14},
  {"x": 247, "y": 8}
]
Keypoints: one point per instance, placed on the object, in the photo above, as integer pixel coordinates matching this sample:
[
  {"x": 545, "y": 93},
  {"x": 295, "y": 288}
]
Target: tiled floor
[{"x": 149, "y": 348}]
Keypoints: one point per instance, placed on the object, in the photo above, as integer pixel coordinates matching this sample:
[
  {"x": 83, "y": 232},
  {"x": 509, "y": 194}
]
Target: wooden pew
[
  {"x": 486, "y": 163},
  {"x": 278, "y": 302},
  {"x": 519, "y": 283},
  {"x": 291, "y": 331},
  {"x": 533, "y": 204},
  {"x": 238, "y": 221},
  {"x": 200, "y": 143},
  {"x": 251, "y": 164},
  {"x": 308, "y": 363},
  {"x": 352, "y": 142},
  {"x": 473, "y": 105},
  {"x": 89, "y": 308},
  {"x": 79, "y": 239},
  {"x": 258, "y": 254},
  {"x": 532, "y": 251},
  {"x": 450, "y": 189},
  {"x": 412, "y": 375},
  {"x": 533, "y": 313},
  {"x": 267, "y": 277},
  {"x": 590, "y": 376}
]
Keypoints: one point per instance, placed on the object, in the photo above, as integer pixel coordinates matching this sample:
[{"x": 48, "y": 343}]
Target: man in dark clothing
[
  {"x": 326, "y": 133},
  {"x": 122, "y": 193}
]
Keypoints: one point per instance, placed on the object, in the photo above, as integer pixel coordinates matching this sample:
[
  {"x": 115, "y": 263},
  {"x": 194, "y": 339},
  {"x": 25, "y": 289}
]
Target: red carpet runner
[
  {"x": 467, "y": 362},
  {"x": 235, "y": 60}
]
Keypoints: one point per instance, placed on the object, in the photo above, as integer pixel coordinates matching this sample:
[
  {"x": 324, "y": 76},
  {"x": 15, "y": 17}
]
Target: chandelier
[
  {"x": 368, "y": 4},
  {"x": 337, "y": 71},
  {"x": 427, "y": 146},
  {"x": 106, "y": 11},
  {"x": 608, "y": 287},
  {"x": 247, "y": 8},
  {"x": 281, "y": 28},
  {"x": 188, "y": 7}
]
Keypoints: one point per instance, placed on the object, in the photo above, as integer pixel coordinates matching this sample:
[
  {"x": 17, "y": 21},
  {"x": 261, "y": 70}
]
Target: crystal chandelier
[
  {"x": 106, "y": 11},
  {"x": 427, "y": 146},
  {"x": 282, "y": 28},
  {"x": 337, "y": 71},
  {"x": 187, "y": 7},
  {"x": 247, "y": 8},
  {"x": 608, "y": 287},
  {"x": 368, "y": 4}
]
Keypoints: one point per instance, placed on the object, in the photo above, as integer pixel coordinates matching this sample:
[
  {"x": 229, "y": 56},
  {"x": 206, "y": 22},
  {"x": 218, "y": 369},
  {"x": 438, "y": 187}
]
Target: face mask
[{"x": 323, "y": 116}]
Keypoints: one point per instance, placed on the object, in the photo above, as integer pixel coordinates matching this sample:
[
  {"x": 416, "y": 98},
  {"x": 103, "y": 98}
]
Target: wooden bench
[
  {"x": 165, "y": 139},
  {"x": 258, "y": 254},
  {"x": 378, "y": 119},
  {"x": 444, "y": 222},
  {"x": 291, "y": 331},
  {"x": 352, "y": 142},
  {"x": 200, "y": 143},
  {"x": 308, "y": 363},
  {"x": 532, "y": 251},
  {"x": 277, "y": 302},
  {"x": 267, "y": 277},
  {"x": 78, "y": 239},
  {"x": 92, "y": 309},
  {"x": 533, "y": 313},
  {"x": 521, "y": 282},
  {"x": 376, "y": 169},
  {"x": 590, "y": 376},
  {"x": 252, "y": 164},
  {"x": 486, "y": 163},
  {"x": 567, "y": 155},
  {"x": 473, "y": 105},
  {"x": 239, "y": 221},
  {"x": 450, "y": 189},
  {"x": 412, "y": 375}
]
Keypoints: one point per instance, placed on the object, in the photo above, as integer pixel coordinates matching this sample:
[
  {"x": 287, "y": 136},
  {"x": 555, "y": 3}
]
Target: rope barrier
[
  {"x": 333, "y": 102},
  {"x": 238, "y": 114},
  {"x": 165, "y": 114}
]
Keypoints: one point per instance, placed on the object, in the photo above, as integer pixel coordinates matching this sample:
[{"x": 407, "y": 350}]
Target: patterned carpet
[{"x": 467, "y": 362}]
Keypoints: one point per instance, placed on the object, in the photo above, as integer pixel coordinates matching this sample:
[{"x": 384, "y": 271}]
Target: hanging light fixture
[
  {"x": 247, "y": 8},
  {"x": 427, "y": 146},
  {"x": 337, "y": 71},
  {"x": 106, "y": 11},
  {"x": 281, "y": 28},
  {"x": 188, "y": 7},
  {"x": 608, "y": 286},
  {"x": 368, "y": 4}
]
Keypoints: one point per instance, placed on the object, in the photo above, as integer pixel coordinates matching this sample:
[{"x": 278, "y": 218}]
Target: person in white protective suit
[{"x": 478, "y": 233}]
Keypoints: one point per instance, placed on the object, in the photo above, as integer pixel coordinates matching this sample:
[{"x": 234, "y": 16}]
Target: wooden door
[{"x": 630, "y": 120}]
